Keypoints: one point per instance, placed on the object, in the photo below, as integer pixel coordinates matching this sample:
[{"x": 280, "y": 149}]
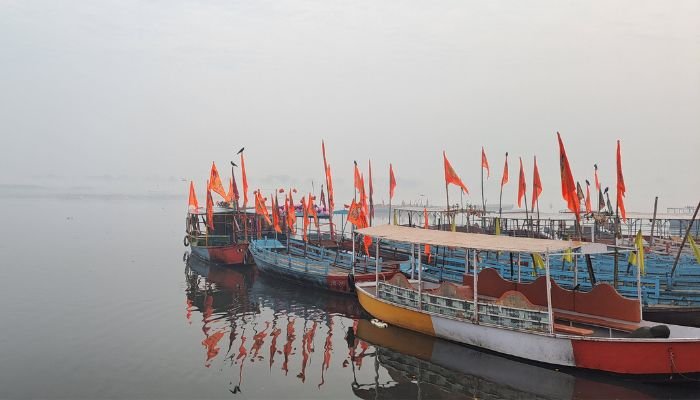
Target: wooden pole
[
  {"x": 483, "y": 199},
  {"x": 653, "y": 222},
  {"x": 685, "y": 238},
  {"x": 447, "y": 196}
]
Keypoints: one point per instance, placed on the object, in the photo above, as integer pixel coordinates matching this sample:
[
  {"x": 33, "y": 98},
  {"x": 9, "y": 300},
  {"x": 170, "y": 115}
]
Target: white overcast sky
[{"x": 135, "y": 95}]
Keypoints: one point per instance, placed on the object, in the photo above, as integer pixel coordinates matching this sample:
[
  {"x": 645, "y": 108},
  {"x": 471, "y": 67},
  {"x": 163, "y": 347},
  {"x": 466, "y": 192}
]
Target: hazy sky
[{"x": 134, "y": 96}]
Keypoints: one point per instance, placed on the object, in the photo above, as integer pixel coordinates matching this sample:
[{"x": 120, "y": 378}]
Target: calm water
[{"x": 98, "y": 303}]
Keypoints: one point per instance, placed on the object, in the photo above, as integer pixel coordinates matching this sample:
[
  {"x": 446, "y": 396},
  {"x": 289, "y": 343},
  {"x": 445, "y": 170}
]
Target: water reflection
[{"x": 274, "y": 339}]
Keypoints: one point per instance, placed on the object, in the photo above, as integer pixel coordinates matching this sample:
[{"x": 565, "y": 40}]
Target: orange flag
[
  {"x": 291, "y": 215},
  {"x": 588, "y": 197},
  {"x": 522, "y": 186},
  {"x": 426, "y": 226},
  {"x": 276, "y": 215},
  {"x": 568, "y": 187},
  {"x": 363, "y": 195},
  {"x": 210, "y": 210},
  {"x": 597, "y": 182},
  {"x": 244, "y": 178},
  {"x": 192, "y": 204},
  {"x": 392, "y": 182},
  {"x": 485, "y": 163},
  {"x": 354, "y": 214},
  {"x": 230, "y": 197},
  {"x": 312, "y": 210},
  {"x": 536, "y": 185},
  {"x": 215, "y": 181},
  {"x": 359, "y": 185},
  {"x": 261, "y": 208},
  {"x": 620, "y": 183},
  {"x": 504, "y": 180},
  {"x": 305, "y": 218},
  {"x": 331, "y": 203},
  {"x": 451, "y": 176}
]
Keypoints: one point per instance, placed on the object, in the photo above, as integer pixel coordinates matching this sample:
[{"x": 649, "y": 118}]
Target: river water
[{"x": 99, "y": 303}]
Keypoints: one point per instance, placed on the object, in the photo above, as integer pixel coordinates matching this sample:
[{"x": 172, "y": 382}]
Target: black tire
[{"x": 185, "y": 241}]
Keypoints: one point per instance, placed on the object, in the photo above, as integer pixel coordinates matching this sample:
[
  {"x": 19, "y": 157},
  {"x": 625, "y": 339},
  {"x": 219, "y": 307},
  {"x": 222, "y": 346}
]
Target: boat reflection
[
  {"x": 276, "y": 340},
  {"x": 425, "y": 367}
]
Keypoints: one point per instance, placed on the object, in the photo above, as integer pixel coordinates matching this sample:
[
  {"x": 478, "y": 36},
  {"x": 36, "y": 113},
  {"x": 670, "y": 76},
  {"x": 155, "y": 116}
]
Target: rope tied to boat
[{"x": 674, "y": 370}]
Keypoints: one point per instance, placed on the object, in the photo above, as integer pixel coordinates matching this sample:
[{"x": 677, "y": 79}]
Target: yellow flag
[
  {"x": 639, "y": 243},
  {"x": 396, "y": 220},
  {"x": 453, "y": 226},
  {"x": 539, "y": 262},
  {"x": 498, "y": 226},
  {"x": 568, "y": 256},
  {"x": 695, "y": 248}
]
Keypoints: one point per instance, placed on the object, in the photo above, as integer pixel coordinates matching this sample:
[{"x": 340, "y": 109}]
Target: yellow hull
[{"x": 395, "y": 315}]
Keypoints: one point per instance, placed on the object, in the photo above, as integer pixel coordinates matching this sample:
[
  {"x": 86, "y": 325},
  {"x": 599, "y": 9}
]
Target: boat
[
  {"x": 421, "y": 364},
  {"x": 539, "y": 321},
  {"x": 226, "y": 244},
  {"x": 315, "y": 266}
]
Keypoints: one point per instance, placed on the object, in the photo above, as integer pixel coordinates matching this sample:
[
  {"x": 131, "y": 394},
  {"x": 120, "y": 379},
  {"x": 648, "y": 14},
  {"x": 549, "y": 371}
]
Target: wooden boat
[
  {"x": 316, "y": 266},
  {"x": 227, "y": 243},
  {"x": 421, "y": 361},
  {"x": 540, "y": 321}
]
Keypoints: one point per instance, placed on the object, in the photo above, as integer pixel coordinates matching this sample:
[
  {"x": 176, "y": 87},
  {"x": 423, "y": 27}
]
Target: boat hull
[
  {"x": 236, "y": 254},
  {"x": 656, "y": 359},
  {"x": 338, "y": 283}
]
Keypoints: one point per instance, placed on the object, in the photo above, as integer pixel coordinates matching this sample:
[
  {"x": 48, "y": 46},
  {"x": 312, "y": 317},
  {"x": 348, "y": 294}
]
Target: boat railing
[
  {"x": 489, "y": 313},
  {"x": 203, "y": 239},
  {"x": 301, "y": 264}
]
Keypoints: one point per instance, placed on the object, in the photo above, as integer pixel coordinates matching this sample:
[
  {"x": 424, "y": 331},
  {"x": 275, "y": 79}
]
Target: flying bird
[{"x": 241, "y": 150}]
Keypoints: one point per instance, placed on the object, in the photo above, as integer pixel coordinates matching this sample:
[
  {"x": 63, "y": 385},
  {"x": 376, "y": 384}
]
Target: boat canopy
[{"x": 475, "y": 241}]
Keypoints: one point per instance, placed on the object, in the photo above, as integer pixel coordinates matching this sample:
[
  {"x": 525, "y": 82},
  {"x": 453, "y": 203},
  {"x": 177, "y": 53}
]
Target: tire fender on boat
[
  {"x": 351, "y": 282},
  {"x": 185, "y": 241}
]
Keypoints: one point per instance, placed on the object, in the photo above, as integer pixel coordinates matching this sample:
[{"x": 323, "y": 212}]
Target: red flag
[
  {"x": 521, "y": 184},
  {"x": 392, "y": 182},
  {"x": 451, "y": 176},
  {"x": 597, "y": 182},
  {"x": 192, "y": 204},
  {"x": 426, "y": 226},
  {"x": 620, "y": 183},
  {"x": 536, "y": 185},
  {"x": 215, "y": 181},
  {"x": 371, "y": 192},
  {"x": 568, "y": 187},
  {"x": 485, "y": 163},
  {"x": 588, "y": 198},
  {"x": 210, "y": 209},
  {"x": 276, "y": 215},
  {"x": 245, "y": 182},
  {"x": 504, "y": 180}
]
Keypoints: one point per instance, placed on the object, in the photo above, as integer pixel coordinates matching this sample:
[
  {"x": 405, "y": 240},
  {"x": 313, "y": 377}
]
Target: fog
[{"x": 140, "y": 97}]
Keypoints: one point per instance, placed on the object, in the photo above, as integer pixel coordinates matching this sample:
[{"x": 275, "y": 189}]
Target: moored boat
[
  {"x": 316, "y": 266},
  {"x": 539, "y": 321},
  {"x": 225, "y": 244}
]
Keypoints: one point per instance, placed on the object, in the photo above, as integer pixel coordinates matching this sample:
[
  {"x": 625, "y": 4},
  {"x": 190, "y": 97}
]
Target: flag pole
[
  {"x": 617, "y": 227},
  {"x": 483, "y": 201},
  {"x": 500, "y": 199},
  {"x": 447, "y": 195}
]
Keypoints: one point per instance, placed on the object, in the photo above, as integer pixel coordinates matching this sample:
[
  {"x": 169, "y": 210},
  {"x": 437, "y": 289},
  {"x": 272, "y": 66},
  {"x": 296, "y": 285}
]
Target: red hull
[
  {"x": 228, "y": 255},
  {"x": 639, "y": 358}
]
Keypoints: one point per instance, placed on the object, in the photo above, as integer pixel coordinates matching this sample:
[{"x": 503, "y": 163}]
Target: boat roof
[{"x": 476, "y": 241}]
